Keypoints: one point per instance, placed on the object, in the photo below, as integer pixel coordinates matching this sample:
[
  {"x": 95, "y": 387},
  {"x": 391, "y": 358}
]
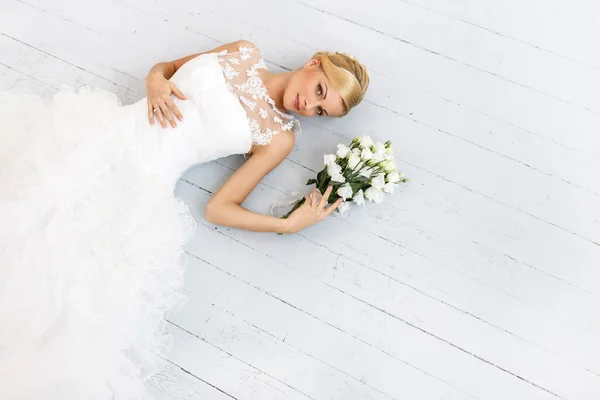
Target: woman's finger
[
  {"x": 332, "y": 207},
  {"x": 315, "y": 201},
  {"x": 150, "y": 114},
  {"x": 159, "y": 115},
  {"x": 167, "y": 114},
  {"x": 325, "y": 197},
  {"x": 175, "y": 109},
  {"x": 178, "y": 92}
]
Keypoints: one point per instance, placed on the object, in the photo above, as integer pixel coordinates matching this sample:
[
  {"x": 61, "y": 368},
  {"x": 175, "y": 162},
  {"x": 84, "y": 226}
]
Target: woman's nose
[{"x": 309, "y": 105}]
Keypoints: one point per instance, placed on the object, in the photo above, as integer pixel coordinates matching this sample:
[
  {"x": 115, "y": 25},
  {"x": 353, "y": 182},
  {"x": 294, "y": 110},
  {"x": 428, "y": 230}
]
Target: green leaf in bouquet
[
  {"x": 333, "y": 197},
  {"x": 311, "y": 181},
  {"x": 322, "y": 177},
  {"x": 356, "y": 186}
]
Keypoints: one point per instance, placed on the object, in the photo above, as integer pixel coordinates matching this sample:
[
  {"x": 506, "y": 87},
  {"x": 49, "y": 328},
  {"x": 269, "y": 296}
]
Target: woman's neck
[{"x": 275, "y": 83}]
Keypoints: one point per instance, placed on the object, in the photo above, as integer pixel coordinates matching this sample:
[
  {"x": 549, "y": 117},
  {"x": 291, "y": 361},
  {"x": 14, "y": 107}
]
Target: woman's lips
[{"x": 297, "y": 102}]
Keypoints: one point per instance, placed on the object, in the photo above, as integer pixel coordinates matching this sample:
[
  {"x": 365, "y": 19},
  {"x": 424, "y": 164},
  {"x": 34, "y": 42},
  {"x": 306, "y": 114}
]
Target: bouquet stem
[{"x": 296, "y": 206}]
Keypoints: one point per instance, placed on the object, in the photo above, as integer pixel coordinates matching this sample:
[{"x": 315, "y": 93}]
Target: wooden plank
[
  {"x": 523, "y": 65},
  {"x": 565, "y": 28},
  {"x": 247, "y": 342},
  {"x": 174, "y": 383},
  {"x": 559, "y": 28},
  {"x": 454, "y": 8},
  {"x": 12, "y": 79},
  {"x": 50, "y": 72},
  {"x": 222, "y": 370}
]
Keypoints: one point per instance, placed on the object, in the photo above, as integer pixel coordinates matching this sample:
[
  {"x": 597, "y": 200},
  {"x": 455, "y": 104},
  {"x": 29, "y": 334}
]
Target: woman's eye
[
  {"x": 320, "y": 111},
  {"x": 319, "y": 90}
]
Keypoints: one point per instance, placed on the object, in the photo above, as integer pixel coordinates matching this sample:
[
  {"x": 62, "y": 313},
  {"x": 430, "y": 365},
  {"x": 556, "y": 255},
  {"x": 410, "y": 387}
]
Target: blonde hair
[{"x": 348, "y": 77}]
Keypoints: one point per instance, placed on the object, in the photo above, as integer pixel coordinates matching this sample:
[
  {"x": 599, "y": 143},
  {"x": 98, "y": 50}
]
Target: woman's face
[{"x": 309, "y": 93}]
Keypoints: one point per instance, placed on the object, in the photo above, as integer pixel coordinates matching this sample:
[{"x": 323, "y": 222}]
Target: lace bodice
[
  {"x": 243, "y": 79},
  {"x": 227, "y": 111}
]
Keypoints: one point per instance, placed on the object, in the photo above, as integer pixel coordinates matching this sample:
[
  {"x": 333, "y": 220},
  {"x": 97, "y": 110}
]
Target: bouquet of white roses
[{"x": 365, "y": 170}]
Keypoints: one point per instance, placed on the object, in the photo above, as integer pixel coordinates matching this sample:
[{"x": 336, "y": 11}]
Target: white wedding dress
[{"x": 91, "y": 234}]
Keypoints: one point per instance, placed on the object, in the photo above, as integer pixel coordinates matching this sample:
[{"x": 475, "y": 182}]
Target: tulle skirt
[{"x": 91, "y": 253}]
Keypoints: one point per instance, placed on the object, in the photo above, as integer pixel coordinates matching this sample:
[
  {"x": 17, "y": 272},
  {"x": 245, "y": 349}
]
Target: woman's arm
[
  {"x": 225, "y": 206},
  {"x": 159, "y": 89}
]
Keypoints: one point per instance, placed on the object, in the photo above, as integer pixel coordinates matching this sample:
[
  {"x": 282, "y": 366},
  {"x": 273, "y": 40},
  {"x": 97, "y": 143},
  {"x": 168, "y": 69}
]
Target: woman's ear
[{"x": 312, "y": 62}]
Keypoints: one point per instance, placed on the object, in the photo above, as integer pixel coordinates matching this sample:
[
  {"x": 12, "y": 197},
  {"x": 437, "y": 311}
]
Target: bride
[{"x": 91, "y": 234}]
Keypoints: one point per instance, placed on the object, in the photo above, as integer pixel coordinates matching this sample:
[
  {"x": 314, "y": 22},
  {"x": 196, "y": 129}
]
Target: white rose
[
  {"x": 343, "y": 208},
  {"x": 365, "y": 142},
  {"x": 385, "y": 165},
  {"x": 345, "y": 191},
  {"x": 366, "y": 154},
  {"x": 379, "y": 151},
  {"x": 389, "y": 166},
  {"x": 353, "y": 161},
  {"x": 338, "y": 178},
  {"x": 333, "y": 169},
  {"x": 393, "y": 177},
  {"x": 378, "y": 157},
  {"x": 375, "y": 195},
  {"x": 343, "y": 150},
  {"x": 329, "y": 159},
  {"x": 359, "y": 198},
  {"x": 379, "y": 197},
  {"x": 389, "y": 187},
  {"x": 378, "y": 182}
]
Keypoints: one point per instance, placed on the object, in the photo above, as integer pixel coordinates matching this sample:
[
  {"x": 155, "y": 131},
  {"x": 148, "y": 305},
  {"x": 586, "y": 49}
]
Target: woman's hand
[
  {"x": 312, "y": 211},
  {"x": 158, "y": 90}
]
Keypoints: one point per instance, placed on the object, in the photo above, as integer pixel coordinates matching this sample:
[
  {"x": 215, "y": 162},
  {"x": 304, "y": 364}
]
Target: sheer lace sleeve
[{"x": 240, "y": 69}]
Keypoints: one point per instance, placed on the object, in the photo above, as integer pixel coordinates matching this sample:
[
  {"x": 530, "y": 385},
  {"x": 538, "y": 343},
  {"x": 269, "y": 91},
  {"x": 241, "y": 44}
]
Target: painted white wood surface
[{"x": 479, "y": 280}]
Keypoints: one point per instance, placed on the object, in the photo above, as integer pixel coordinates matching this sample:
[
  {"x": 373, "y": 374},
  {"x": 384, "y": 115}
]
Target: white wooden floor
[{"x": 479, "y": 280}]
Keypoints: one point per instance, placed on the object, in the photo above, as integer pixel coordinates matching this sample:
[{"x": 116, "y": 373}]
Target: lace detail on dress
[{"x": 264, "y": 118}]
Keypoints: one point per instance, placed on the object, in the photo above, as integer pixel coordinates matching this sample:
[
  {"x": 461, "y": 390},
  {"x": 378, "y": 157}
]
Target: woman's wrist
[
  {"x": 161, "y": 70},
  {"x": 152, "y": 75},
  {"x": 286, "y": 226},
  {"x": 283, "y": 226}
]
